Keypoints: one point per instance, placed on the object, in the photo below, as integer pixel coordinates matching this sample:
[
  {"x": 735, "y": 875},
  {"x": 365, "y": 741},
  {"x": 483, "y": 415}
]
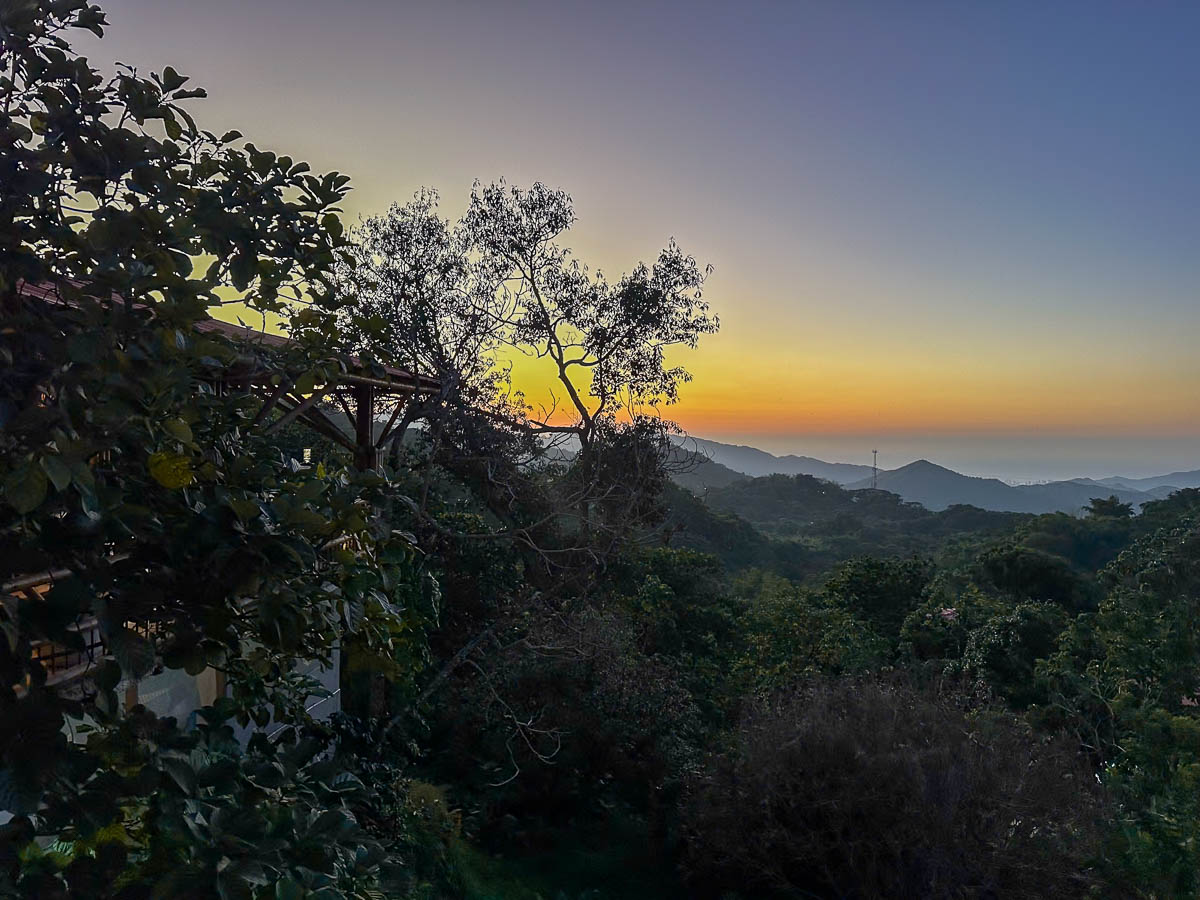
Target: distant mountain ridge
[
  {"x": 1176, "y": 480},
  {"x": 756, "y": 463},
  {"x": 934, "y": 487}
]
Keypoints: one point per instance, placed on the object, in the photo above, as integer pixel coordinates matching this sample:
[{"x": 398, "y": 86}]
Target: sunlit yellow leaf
[{"x": 170, "y": 469}]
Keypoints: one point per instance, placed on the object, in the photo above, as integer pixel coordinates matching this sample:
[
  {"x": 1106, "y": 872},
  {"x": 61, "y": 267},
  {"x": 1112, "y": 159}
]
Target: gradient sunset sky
[{"x": 965, "y": 231}]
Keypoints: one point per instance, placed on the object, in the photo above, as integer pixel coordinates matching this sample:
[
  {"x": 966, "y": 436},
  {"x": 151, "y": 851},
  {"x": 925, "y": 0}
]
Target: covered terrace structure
[{"x": 357, "y": 388}]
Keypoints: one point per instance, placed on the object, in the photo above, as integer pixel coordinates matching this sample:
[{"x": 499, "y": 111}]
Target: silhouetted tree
[{"x": 606, "y": 341}]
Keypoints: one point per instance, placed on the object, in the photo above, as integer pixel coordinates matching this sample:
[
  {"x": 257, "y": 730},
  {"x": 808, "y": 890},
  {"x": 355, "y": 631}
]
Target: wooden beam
[
  {"x": 392, "y": 387},
  {"x": 387, "y": 429},
  {"x": 311, "y": 400},
  {"x": 317, "y": 421},
  {"x": 285, "y": 384},
  {"x": 315, "y": 418}
]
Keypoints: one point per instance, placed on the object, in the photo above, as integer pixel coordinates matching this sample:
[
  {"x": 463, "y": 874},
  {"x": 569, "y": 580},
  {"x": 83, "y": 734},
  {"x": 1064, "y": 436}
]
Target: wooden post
[
  {"x": 366, "y": 457},
  {"x": 364, "y": 427}
]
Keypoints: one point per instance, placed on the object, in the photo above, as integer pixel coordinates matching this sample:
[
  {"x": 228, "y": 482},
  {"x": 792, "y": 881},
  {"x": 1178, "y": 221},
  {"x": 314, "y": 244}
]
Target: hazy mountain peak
[{"x": 756, "y": 463}]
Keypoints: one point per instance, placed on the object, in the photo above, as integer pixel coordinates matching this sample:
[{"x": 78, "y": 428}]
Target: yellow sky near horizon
[{"x": 803, "y": 382}]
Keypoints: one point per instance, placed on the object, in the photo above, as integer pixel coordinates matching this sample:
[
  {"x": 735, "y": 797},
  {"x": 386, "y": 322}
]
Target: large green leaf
[
  {"x": 57, "y": 471},
  {"x": 134, "y": 652},
  {"x": 25, "y": 488},
  {"x": 171, "y": 470}
]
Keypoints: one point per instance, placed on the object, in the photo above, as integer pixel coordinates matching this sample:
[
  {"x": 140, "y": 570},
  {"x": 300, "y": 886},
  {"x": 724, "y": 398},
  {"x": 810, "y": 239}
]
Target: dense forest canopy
[{"x": 561, "y": 673}]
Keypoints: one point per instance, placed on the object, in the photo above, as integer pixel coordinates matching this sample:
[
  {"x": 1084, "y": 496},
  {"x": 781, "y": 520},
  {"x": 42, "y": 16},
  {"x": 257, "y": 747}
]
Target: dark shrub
[
  {"x": 860, "y": 789},
  {"x": 1026, "y": 574}
]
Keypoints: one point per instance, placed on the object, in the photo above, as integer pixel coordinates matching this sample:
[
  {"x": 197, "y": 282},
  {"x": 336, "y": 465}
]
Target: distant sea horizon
[{"x": 1015, "y": 458}]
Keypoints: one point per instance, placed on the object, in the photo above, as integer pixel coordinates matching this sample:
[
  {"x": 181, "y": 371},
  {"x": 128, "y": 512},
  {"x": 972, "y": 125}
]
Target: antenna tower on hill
[{"x": 874, "y": 470}]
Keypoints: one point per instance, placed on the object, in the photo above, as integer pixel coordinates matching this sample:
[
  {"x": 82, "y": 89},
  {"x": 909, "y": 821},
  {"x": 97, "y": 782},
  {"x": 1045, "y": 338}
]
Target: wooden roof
[
  {"x": 393, "y": 379},
  {"x": 401, "y": 378}
]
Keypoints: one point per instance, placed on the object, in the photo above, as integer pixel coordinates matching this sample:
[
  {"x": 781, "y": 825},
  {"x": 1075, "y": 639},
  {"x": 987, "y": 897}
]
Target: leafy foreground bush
[{"x": 863, "y": 789}]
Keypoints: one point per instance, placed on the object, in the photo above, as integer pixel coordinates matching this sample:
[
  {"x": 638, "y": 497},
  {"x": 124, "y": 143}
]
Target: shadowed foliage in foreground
[{"x": 877, "y": 789}]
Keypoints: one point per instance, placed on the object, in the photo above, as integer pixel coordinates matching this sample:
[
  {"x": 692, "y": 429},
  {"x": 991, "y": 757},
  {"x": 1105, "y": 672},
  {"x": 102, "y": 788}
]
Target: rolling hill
[
  {"x": 756, "y": 463},
  {"x": 1174, "y": 480},
  {"x": 936, "y": 487},
  {"x": 699, "y": 474},
  {"x": 803, "y": 525}
]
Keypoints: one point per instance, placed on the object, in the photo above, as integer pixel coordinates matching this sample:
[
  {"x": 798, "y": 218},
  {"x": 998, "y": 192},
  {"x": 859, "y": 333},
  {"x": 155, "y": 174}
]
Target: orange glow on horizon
[{"x": 781, "y": 387}]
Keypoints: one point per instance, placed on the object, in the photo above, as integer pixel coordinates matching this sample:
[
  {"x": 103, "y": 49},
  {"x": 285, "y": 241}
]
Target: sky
[{"x": 968, "y": 232}]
